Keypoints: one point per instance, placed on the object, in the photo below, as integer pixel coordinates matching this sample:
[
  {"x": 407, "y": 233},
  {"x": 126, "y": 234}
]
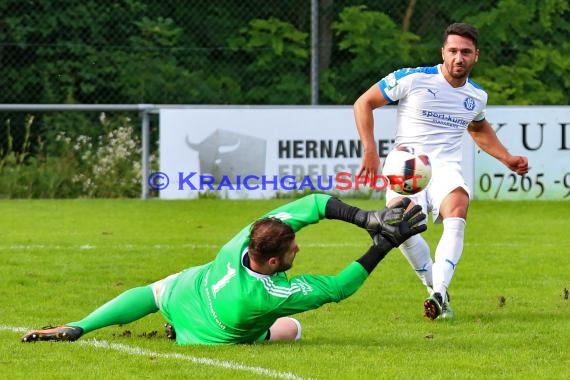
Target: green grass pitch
[{"x": 59, "y": 259}]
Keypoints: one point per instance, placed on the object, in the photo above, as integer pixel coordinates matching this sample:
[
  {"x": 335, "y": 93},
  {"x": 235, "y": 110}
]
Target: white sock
[
  {"x": 447, "y": 253},
  {"x": 416, "y": 250}
]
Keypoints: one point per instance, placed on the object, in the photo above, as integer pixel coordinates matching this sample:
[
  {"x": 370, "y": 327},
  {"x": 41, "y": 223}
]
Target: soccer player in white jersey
[{"x": 436, "y": 106}]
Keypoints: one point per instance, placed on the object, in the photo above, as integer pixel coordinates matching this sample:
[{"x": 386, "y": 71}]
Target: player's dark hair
[
  {"x": 269, "y": 237},
  {"x": 463, "y": 30}
]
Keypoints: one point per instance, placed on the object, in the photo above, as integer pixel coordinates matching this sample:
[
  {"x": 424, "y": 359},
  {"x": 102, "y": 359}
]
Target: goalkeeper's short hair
[{"x": 269, "y": 237}]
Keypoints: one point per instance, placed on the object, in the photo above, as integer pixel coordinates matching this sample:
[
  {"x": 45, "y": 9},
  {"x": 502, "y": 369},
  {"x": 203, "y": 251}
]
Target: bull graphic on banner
[{"x": 229, "y": 154}]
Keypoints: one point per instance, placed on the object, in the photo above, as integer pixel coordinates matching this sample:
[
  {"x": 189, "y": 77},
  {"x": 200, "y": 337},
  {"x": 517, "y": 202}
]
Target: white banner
[
  {"x": 258, "y": 152},
  {"x": 542, "y": 133}
]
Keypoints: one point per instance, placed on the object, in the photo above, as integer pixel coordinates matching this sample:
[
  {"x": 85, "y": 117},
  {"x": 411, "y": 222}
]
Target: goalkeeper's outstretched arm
[{"x": 351, "y": 278}]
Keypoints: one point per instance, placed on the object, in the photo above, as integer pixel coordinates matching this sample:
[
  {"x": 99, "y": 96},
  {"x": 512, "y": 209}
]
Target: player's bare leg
[{"x": 285, "y": 328}]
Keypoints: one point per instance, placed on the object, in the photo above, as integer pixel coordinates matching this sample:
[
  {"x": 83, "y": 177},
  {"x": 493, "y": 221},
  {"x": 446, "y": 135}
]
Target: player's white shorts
[
  {"x": 160, "y": 286},
  {"x": 445, "y": 178}
]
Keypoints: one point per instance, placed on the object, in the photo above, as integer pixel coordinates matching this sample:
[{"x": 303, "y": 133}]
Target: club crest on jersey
[{"x": 469, "y": 103}]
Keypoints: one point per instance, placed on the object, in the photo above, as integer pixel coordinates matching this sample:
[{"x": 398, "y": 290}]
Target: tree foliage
[
  {"x": 527, "y": 60},
  {"x": 141, "y": 51}
]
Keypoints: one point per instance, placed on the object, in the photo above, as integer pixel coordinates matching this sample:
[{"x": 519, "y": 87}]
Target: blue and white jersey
[{"x": 433, "y": 115}]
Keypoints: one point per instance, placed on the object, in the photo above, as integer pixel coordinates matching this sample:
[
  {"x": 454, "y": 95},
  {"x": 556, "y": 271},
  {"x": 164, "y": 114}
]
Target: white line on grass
[
  {"x": 130, "y": 247},
  {"x": 154, "y": 247},
  {"x": 194, "y": 359},
  {"x": 87, "y": 247}
]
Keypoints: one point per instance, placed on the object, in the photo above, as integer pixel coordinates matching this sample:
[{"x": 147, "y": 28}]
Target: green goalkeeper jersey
[{"x": 225, "y": 302}]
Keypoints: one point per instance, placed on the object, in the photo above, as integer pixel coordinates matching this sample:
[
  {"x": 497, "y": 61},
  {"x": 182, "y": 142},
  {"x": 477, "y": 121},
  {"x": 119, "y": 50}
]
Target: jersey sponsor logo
[
  {"x": 210, "y": 303},
  {"x": 445, "y": 120},
  {"x": 282, "y": 215},
  {"x": 224, "y": 280},
  {"x": 469, "y": 103}
]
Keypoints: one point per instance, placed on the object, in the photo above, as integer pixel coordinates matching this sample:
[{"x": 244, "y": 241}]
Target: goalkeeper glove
[{"x": 412, "y": 223}]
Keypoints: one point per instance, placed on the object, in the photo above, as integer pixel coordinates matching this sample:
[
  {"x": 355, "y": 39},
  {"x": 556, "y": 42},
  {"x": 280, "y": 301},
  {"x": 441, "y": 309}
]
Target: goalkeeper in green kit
[{"x": 244, "y": 294}]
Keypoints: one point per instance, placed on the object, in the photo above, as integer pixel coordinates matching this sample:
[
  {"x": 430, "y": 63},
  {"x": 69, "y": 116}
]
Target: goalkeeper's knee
[{"x": 285, "y": 328}]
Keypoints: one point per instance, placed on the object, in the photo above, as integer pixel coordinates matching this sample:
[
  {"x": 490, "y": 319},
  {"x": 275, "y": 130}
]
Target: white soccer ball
[{"x": 407, "y": 170}]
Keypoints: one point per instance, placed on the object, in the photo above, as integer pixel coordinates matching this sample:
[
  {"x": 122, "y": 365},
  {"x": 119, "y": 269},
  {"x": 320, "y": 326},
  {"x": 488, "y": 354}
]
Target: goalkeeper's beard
[{"x": 285, "y": 263}]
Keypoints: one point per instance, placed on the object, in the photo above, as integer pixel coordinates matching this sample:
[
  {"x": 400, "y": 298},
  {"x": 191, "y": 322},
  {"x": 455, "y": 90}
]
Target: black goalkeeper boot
[{"x": 61, "y": 333}]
